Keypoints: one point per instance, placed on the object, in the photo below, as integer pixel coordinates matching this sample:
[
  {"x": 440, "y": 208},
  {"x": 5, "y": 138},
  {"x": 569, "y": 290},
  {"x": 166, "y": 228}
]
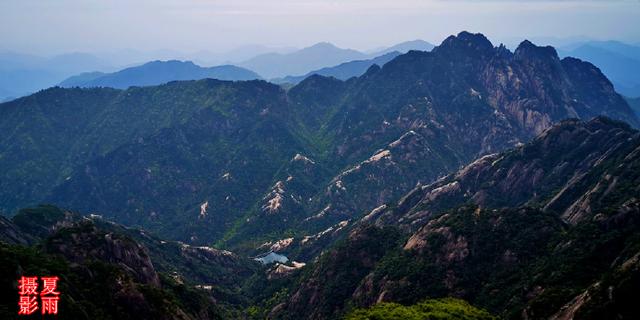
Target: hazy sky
[{"x": 55, "y": 26}]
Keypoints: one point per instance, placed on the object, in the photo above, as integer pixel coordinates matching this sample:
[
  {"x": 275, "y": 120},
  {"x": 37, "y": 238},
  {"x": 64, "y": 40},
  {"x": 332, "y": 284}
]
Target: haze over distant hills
[
  {"x": 356, "y": 68},
  {"x": 619, "y": 61},
  {"x": 273, "y": 65},
  {"x": 404, "y": 47},
  {"x": 318, "y": 56},
  {"x": 158, "y": 72},
  {"x": 21, "y": 74},
  {"x": 343, "y": 71},
  {"x": 239, "y": 54}
]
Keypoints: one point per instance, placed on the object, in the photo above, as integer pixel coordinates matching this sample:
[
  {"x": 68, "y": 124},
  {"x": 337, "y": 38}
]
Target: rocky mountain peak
[
  {"x": 466, "y": 42},
  {"x": 528, "y": 50},
  {"x": 504, "y": 52}
]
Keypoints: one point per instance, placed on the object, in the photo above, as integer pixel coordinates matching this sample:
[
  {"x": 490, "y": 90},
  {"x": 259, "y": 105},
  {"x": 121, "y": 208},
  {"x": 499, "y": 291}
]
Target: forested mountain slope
[
  {"x": 545, "y": 230},
  {"x": 243, "y": 163}
]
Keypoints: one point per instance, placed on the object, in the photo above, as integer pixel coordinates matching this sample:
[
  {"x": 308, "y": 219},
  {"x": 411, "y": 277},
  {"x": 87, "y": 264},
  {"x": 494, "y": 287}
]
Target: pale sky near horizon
[{"x": 56, "y": 26}]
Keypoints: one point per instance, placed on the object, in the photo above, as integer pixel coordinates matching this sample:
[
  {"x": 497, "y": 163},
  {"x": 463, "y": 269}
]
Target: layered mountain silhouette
[
  {"x": 158, "y": 72},
  {"x": 324, "y": 54},
  {"x": 22, "y": 74},
  {"x": 507, "y": 179},
  {"x": 404, "y": 47},
  {"x": 152, "y": 156},
  {"x": 343, "y": 71},
  {"x": 618, "y": 61},
  {"x": 346, "y": 64}
]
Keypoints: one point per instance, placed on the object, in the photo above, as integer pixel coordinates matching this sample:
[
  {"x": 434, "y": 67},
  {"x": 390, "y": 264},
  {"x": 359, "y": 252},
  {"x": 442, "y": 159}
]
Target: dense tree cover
[
  {"x": 97, "y": 290},
  {"x": 438, "y": 309},
  {"x": 110, "y": 272}
]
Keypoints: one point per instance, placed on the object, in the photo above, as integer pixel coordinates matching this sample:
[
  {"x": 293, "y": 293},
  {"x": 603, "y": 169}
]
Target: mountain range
[
  {"x": 22, "y": 74},
  {"x": 118, "y": 164},
  {"x": 356, "y": 68},
  {"x": 323, "y": 55},
  {"x": 543, "y": 230},
  {"x": 506, "y": 179},
  {"x": 158, "y": 72}
]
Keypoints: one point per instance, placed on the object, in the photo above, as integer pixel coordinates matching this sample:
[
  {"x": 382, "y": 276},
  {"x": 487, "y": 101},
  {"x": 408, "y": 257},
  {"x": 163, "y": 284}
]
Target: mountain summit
[{"x": 466, "y": 42}]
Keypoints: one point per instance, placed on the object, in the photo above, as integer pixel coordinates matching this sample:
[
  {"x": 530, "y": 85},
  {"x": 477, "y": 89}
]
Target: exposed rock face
[
  {"x": 327, "y": 289},
  {"x": 607, "y": 298},
  {"x": 281, "y": 244},
  {"x": 274, "y": 198},
  {"x": 208, "y": 253},
  {"x": 497, "y": 233},
  {"x": 571, "y": 169},
  {"x": 568, "y": 311},
  {"x": 203, "y": 209},
  {"x": 456, "y": 253},
  {"x": 425, "y": 114},
  {"x": 85, "y": 242},
  {"x": 380, "y": 178},
  {"x": 280, "y": 270}
]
